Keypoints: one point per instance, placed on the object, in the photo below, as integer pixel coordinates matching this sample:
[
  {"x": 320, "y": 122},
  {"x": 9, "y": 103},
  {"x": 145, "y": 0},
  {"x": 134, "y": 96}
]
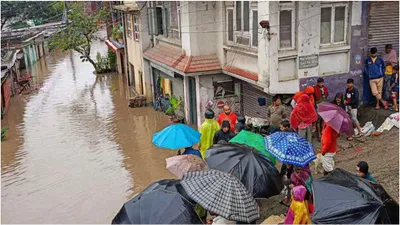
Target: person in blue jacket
[
  {"x": 190, "y": 151},
  {"x": 375, "y": 69}
]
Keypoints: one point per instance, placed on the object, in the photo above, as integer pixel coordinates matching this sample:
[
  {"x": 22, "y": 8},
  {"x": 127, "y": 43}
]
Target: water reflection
[{"x": 75, "y": 152}]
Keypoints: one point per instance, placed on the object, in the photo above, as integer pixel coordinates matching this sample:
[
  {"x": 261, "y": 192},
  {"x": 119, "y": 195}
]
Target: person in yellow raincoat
[
  {"x": 298, "y": 211},
  {"x": 207, "y": 130}
]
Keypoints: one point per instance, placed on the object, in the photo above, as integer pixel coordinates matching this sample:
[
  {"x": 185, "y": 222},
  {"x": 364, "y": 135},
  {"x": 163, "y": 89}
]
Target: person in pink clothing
[{"x": 298, "y": 210}]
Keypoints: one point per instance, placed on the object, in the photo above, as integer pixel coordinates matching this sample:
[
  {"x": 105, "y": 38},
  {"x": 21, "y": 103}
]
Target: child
[
  {"x": 394, "y": 86},
  {"x": 285, "y": 126},
  {"x": 298, "y": 212},
  {"x": 362, "y": 171},
  {"x": 328, "y": 148},
  {"x": 225, "y": 134},
  {"x": 339, "y": 101}
]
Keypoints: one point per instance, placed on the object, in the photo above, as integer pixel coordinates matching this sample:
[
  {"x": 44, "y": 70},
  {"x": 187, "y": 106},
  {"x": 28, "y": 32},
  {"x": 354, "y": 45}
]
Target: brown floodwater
[{"x": 75, "y": 151}]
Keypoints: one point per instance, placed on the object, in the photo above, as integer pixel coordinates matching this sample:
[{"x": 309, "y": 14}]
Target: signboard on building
[{"x": 308, "y": 61}]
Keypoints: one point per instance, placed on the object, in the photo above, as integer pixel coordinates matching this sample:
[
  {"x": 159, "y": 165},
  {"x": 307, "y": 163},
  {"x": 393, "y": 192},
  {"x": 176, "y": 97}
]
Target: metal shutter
[
  {"x": 383, "y": 25},
  {"x": 250, "y": 95}
]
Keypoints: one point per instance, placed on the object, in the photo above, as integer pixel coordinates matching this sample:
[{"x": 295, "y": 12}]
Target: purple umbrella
[{"x": 336, "y": 117}]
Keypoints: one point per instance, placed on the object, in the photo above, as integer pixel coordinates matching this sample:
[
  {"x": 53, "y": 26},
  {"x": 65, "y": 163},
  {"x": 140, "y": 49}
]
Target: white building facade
[{"x": 215, "y": 53}]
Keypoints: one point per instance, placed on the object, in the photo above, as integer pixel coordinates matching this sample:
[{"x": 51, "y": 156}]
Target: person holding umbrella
[
  {"x": 221, "y": 193},
  {"x": 190, "y": 151},
  {"x": 343, "y": 198},
  {"x": 339, "y": 100},
  {"x": 176, "y": 136}
]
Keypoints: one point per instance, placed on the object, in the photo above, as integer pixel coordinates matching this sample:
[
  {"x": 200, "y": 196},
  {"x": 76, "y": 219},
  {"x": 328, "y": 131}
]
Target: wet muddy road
[{"x": 74, "y": 151}]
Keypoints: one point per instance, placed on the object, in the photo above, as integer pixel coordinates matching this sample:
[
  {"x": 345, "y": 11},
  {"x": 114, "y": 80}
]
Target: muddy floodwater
[{"x": 74, "y": 151}]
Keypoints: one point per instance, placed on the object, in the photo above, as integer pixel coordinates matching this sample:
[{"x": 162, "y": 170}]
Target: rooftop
[
  {"x": 243, "y": 73},
  {"x": 175, "y": 58}
]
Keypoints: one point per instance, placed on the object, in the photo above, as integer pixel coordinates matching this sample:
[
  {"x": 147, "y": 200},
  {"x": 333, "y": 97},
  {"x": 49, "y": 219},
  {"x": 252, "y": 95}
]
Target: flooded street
[{"x": 75, "y": 152}]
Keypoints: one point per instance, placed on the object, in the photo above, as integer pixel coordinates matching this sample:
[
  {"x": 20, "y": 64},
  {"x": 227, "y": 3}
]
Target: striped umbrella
[{"x": 221, "y": 193}]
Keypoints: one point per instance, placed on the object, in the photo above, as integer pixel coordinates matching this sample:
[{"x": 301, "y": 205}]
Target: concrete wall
[
  {"x": 145, "y": 43},
  {"x": 358, "y": 47},
  {"x": 205, "y": 93},
  {"x": 135, "y": 49},
  {"x": 199, "y": 27}
]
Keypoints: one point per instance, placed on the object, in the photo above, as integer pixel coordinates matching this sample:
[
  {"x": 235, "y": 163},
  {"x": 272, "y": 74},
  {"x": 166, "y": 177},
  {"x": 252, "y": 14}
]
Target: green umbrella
[{"x": 253, "y": 140}]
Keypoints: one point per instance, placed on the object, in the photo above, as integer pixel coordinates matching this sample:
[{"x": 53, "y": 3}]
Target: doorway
[
  {"x": 192, "y": 100},
  {"x": 141, "y": 91},
  {"x": 133, "y": 80}
]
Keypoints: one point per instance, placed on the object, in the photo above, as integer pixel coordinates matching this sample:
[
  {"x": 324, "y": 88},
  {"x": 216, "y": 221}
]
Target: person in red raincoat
[
  {"x": 303, "y": 116},
  {"x": 310, "y": 92},
  {"x": 328, "y": 148}
]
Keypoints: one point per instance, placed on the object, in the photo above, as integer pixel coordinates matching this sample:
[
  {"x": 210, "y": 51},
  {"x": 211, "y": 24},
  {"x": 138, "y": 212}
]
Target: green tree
[
  {"x": 36, "y": 10},
  {"x": 80, "y": 33}
]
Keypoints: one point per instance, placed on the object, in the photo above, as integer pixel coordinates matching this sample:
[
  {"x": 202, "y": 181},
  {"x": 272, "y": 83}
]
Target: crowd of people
[{"x": 305, "y": 121}]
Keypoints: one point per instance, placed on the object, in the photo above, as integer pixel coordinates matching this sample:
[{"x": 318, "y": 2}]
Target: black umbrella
[
  {"x": 254, "y": 170},
  {"x": 344, "y": 198},
  {"x": 171, "y": 185},
  {"x": 157, "y": 207}
]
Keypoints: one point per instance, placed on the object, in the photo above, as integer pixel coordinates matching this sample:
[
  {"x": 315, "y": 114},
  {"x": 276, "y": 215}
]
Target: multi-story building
[{"x": 238, "y": 52}]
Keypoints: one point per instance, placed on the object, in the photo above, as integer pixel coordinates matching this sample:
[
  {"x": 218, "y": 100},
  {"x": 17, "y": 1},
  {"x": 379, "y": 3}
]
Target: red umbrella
[{"x": 336, "y": 117}]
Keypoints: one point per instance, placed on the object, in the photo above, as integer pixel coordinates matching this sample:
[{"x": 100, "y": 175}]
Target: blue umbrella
[
  {"x": 176, "y": 136},
  {"x": 290, "y": 148}
]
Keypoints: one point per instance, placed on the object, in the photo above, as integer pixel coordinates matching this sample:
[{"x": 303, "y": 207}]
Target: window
[
  {"x": 229, "y": 17},
  {"x": 242, "y": 23},
  {"x": 129, "y": 25},
  {"x": 255, "y": 29},
  {"x": 333, "y": 23},
  {"x": 223, "y": 89},
  {"x": 174, "y": 20},
  {"x": 286, "y": 34},
  {"x": 136, "y": 28},
  {"x": 164, "y": 19}
]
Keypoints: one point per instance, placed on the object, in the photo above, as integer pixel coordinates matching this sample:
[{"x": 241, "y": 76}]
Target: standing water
[{"x": 74, "y": 151}]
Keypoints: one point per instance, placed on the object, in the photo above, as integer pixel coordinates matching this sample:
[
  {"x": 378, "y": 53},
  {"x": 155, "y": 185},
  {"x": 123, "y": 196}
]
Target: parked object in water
[
  {"x": 138, "y": 101},
  {"x": 356, "y": 201},
  {"x": 258, "y": 174}
]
